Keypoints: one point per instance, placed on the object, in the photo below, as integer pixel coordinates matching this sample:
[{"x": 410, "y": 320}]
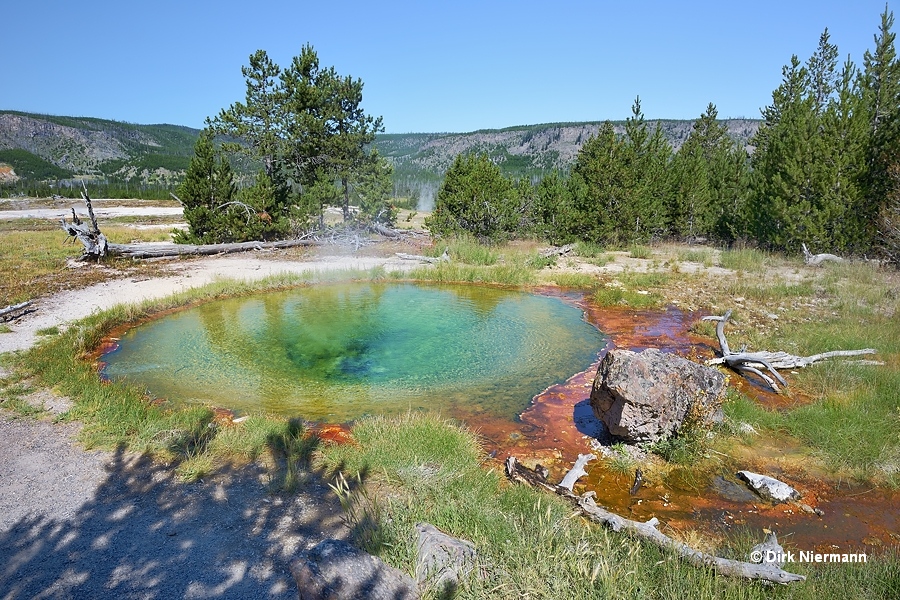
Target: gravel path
[{"x": 78, "y": 524}]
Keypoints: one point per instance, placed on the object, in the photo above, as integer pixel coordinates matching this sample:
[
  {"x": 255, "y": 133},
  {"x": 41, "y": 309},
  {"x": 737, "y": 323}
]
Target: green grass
[
  {"x": 422, "y": 468},
  {"x": 589, "y": 249},
  {"x": 638, "y": 251},
  {"x": 502, "y": 274},
  {"x": 575, "y": 280},
  {"x": 4, "y": 328},
  {"x": 746, "y": 259},
  {"x": 704, "y": 256},
  {"x": 468, "y": 251}
]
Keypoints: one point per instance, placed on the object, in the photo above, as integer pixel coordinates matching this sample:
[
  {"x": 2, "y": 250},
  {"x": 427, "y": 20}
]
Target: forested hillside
[{"x": 50, "y": 148}]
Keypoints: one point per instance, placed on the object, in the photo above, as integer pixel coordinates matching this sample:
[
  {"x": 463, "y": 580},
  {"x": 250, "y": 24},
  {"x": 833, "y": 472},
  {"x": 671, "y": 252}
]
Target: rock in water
[
  {"x": 646, "y": 396},
  {"x": 769, "y": 487},
  {"x": 334, "y": 570}
]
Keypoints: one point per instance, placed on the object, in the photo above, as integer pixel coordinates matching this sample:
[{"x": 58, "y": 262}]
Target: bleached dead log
[
  {"x": 557, "y": 251},
  {"x": 647, "y": 530},
  {"x": 95, "y": 243},
  {"x": 385, "y": 231},
  {"x": 12, "y": 309},
  {"x": 758, "y": 362},
  {"x": 576, "y": 472},
  {"x": 815, "y": 260},
  {"x": 536, "y": 477},
  {"x": 445, "y": 257},
  {"x": 171, "y": 250}
]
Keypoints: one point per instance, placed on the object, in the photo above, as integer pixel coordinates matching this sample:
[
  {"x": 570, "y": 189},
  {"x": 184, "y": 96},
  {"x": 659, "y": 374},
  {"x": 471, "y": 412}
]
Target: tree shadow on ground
[{"x": 145, "y": 535}]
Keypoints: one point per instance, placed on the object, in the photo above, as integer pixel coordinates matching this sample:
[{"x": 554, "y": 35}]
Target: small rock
[
  {"x": 334, "y": 569},
  {"x": 747, "y": 428},
  {"x": 769, "y": 487},
  {"x": 443, "y": 561}
]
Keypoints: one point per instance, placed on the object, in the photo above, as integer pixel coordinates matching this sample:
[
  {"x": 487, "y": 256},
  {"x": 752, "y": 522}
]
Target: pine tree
[
  {"x": 880, "y": 83},
  {"x": 598, "y": 189},
  {"x": 780, "y": 212},
  {"x": 207, "y": 187},
  {"x": 372, "y": 192},
  {"x": 476, "y": 198}
]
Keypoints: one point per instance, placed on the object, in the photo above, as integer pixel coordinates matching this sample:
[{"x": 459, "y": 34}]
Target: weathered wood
[
  {"x": 815, "y": 260},
  {"x": 557, "y": 251},
  {"x": 95, "y": 243},
  {"x": 385, "y": 231},
  {"x": 757, "y": 362},
  {"x": 445, "y": 257},
  {"x": 647, "y": 530},
  {"x": 576, "y": 472},
  {"x": 536, "y": 477},
  {"x": 169, "y": 250},
  {"x": 14, "y": 308}
]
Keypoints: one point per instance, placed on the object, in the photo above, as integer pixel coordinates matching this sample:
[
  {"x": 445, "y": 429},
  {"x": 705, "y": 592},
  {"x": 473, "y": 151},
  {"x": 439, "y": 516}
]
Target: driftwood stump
[{"x": 758, "y": 362}]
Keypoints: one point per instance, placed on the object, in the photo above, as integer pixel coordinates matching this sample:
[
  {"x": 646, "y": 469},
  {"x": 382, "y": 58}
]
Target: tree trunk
[
  {"x": 647, "y": 531},
  {"x": 172, "y": 250}
]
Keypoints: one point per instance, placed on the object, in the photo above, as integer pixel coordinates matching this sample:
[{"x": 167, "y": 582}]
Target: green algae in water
[{"x": 337, "y": 352}]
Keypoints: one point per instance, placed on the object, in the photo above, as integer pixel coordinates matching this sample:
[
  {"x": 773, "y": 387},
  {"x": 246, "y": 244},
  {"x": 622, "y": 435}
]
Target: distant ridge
[{"x": 46, "y": 147}]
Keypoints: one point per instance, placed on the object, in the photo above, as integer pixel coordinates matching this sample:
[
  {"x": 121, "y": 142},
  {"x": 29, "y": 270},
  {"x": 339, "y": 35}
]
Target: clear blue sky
[{"x": 427, "y": 66}]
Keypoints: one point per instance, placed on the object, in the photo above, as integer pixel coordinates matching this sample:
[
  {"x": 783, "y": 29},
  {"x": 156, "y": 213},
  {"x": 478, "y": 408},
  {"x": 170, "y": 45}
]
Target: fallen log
[
  {"x": 445, "y": 257},
  {"x": 9, "y": 311},
  {"x": 145, "y": 250},
  {"x": 647, "y": 530},
  {"x": 814, "y": 260},
  {"x": 758, "y": 362},
  {"x": 385, "y": 231},
  {"x": 557, "y": 251}
]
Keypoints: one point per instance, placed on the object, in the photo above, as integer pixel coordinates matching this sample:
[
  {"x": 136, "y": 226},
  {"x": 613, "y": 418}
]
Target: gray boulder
[
  {"x": 442, "y": 561},
  {"x": 646, "y": 396},
  {"x": 336, "y": 570}
]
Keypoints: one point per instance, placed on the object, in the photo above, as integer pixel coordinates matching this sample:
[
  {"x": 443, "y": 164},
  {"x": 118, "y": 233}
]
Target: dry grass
[{"x": 34, "y": 259}]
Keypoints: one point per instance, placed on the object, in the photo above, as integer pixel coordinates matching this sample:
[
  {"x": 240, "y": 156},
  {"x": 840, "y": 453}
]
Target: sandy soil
[
  {"x": 71, "y": 305},
  {"x": 99, "y": 212},
  {"x": 79, "y": 524}
]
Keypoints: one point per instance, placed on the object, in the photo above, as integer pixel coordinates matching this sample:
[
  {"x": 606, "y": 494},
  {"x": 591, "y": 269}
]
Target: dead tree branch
[
  {"x": 814, "y": 260},
  {"x": 10, "y": 312},
  {"x": 557, "y": 251},
  {"x": 647, "y": 531},
  {"x": 94, "y": 242},
  {"x": 445, "y": 257},
  {"x": 758, "y": 362}
]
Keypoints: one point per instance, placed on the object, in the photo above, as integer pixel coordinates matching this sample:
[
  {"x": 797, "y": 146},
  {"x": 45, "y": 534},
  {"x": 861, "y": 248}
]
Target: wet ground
[{"x": 560, "y": 424}]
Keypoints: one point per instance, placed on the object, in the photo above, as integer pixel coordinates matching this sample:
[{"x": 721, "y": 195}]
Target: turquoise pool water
[{"x": 340, "y": 351}]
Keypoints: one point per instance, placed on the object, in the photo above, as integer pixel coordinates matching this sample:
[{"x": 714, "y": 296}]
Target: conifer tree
[
  {"x": 880, "y": 83},
  {"x": 781, "y": 211},
  {"x": 476, "y": 198},
  {"x": 598, "y": 188},
  {"x": 207, "y": 187}
]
